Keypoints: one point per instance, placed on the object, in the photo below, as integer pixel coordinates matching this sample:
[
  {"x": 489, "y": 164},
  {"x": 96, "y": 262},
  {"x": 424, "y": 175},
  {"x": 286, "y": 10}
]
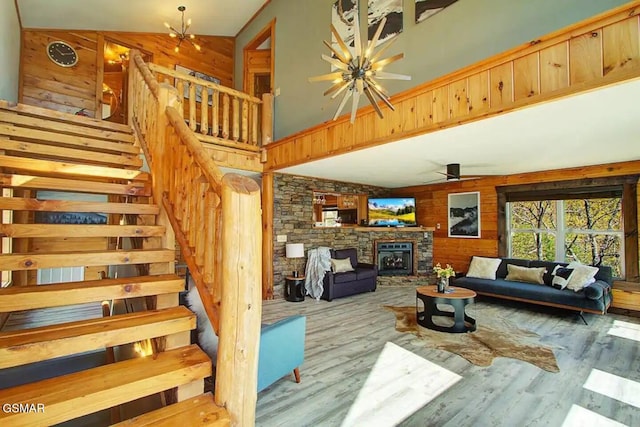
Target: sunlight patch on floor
[
  {"x": 619, "y": 388},
  {"x": 399, "y": 384},
  {"x": 580, "y": 417},
  {"x": 625, "y": 330}
]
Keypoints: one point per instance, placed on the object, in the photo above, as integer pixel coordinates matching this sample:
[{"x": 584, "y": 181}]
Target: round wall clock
[{"x": 62, "y": 54}]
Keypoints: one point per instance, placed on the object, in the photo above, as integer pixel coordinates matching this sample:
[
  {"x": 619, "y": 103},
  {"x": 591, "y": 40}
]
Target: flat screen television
[{"x": 391, "y": 212}]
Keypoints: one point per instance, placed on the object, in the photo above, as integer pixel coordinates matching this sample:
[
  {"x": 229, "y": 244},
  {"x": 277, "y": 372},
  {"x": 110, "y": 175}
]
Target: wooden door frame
[{"x": 269, "y": 31}]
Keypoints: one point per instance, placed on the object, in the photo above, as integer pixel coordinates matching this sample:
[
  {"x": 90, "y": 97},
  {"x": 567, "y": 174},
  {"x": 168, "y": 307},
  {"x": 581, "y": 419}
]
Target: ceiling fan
[{"x": 453, "y": 174}]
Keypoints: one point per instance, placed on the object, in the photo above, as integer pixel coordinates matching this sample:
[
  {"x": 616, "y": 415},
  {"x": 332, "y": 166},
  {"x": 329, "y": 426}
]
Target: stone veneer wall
[{"x": 293, "y": 217}]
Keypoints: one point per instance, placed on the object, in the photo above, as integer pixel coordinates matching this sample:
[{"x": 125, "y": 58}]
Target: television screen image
[{"x": 392, "y": 212}]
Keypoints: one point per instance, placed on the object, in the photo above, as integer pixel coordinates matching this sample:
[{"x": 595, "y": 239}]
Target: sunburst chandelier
[
  {"x": 359, "y": 70},
  {"x": 182, "y": 34}
]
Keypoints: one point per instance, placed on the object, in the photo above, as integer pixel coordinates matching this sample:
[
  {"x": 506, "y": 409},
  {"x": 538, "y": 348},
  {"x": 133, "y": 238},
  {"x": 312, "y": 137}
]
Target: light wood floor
[{"x": 345, "y": 336}]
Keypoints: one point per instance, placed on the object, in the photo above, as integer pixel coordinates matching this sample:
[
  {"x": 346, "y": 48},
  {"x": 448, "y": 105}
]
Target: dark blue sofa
[
  {"x": 595, "y": 298},
  {"x": 363, "y": 279}
]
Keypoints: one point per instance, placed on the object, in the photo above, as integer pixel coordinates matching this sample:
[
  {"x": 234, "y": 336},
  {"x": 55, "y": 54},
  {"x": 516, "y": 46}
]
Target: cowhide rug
[{"x": 494, "y": 337}]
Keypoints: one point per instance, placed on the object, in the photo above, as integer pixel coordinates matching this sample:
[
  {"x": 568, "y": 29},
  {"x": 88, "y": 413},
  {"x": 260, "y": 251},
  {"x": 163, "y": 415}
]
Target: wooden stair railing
[
  {"x": 46, "y": 150},
  {"x": 218, "y": 114},
  {"x": 217, "y": 222}
]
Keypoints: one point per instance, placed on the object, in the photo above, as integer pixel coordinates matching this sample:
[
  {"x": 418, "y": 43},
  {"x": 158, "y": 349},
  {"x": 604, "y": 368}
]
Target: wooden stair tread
[
  {"x": 18, "y": 298},
  {"x": 37, "y": 344},
  {"x": 74, "y": 185},
  {"x": 61, "y": 139},
  {"x": 74, "y": 395},
  {"x": 50, "y": 167},
  {"x": 24, "y": 204},
  {"x": 33, "y": 111},
  {"x": 34, "y": 261},
  {"x": 79, "y": 230},
  {"x": 124, "y": 136},
  {"x": 30, "y": 149},
  {"x": 197, "y": 411}
]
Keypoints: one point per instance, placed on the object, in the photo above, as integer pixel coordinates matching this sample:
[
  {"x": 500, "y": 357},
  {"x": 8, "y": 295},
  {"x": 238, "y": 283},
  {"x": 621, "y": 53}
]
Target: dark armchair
[{"x": 363, "y": 278}]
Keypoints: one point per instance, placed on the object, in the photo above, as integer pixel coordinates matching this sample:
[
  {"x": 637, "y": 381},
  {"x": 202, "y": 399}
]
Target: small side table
[{"x": 294, "y": 288}]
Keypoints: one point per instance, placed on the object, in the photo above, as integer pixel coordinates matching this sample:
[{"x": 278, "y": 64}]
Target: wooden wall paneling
[
  {"x": 554, "y": 68},
  {"x": 364, "y": 128},
  {"x": 479, "y": 92},
  {"x": 621, "y": 46},
  {"x": 408, "y": 107},
  {"x": 99, "y": 58},
  {"x": 458, "y": 99},
  {"x": 48, "y": 85},
  {"x": 440, "y": 104},
  {"x": 526, "y": 76},
  {"x": 501, "y": 80},
  {"x": 392, "y": 123},
  {"x": 424, "y": 116},
  {"x": 585, "y": 57}
]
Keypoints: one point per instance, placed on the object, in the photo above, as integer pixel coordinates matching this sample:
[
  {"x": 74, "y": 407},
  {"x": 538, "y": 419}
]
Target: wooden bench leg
[{"x": 296, "y": 373}]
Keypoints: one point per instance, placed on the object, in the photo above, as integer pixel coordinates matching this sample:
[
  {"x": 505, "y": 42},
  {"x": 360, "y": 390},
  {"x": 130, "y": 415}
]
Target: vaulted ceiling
[{"x": 210, "y": 17}]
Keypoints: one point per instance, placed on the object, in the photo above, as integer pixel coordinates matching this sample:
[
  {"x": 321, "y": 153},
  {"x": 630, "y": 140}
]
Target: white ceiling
[
  {"x": 597, "y": 127},
  {"x": 209, "y": 17}
]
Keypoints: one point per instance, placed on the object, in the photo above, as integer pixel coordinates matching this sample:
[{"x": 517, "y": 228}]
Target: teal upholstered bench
[{"x": 281, "y": 350}]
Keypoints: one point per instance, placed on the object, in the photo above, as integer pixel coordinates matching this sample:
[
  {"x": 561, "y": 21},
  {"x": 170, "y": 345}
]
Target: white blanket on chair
[{"x": 318, "y": 263}]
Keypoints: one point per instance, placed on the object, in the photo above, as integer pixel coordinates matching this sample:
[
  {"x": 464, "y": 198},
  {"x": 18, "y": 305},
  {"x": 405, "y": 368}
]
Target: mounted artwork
[
  {"x": 343, "y": 12},
  {"x": 428, "y": 8},
  {"x": 464, "y": 215},
  {"x": 199, "y": 75},
  {"x": 379, "y": 9}
]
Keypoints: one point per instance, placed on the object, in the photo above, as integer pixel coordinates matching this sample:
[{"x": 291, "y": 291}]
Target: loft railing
[
  {"x": 217, "y": 222},
  {"x": 218, "y": 114}
]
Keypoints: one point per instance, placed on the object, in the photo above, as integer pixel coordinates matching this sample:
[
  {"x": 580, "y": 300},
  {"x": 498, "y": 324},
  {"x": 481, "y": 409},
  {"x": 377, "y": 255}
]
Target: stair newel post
[
  {"x": 241, "y": 305},
  {"x": 267, "y": 119}
]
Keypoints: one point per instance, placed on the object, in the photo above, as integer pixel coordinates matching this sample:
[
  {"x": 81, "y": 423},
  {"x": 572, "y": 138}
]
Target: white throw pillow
[
  {"x": 581, "y": 276},
  {"x": 483, "y": 268},
  {"x": 341, "y": 265}
]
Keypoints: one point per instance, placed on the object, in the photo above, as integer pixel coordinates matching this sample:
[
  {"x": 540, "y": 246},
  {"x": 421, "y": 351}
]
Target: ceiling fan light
[
  {"x": 172, "y": 35},
  {"x": 166, "y": 24}
]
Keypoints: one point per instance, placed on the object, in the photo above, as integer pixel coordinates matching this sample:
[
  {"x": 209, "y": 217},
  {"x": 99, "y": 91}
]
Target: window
[{"x": 588, "y": 230}]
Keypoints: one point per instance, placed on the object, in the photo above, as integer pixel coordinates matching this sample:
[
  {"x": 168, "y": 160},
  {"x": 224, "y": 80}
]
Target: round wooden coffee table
[{"x": 458, "y": 298}]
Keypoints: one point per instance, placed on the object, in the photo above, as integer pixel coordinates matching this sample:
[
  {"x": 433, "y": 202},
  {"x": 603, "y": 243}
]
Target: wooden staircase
[{"x": 90, "y": 166}]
